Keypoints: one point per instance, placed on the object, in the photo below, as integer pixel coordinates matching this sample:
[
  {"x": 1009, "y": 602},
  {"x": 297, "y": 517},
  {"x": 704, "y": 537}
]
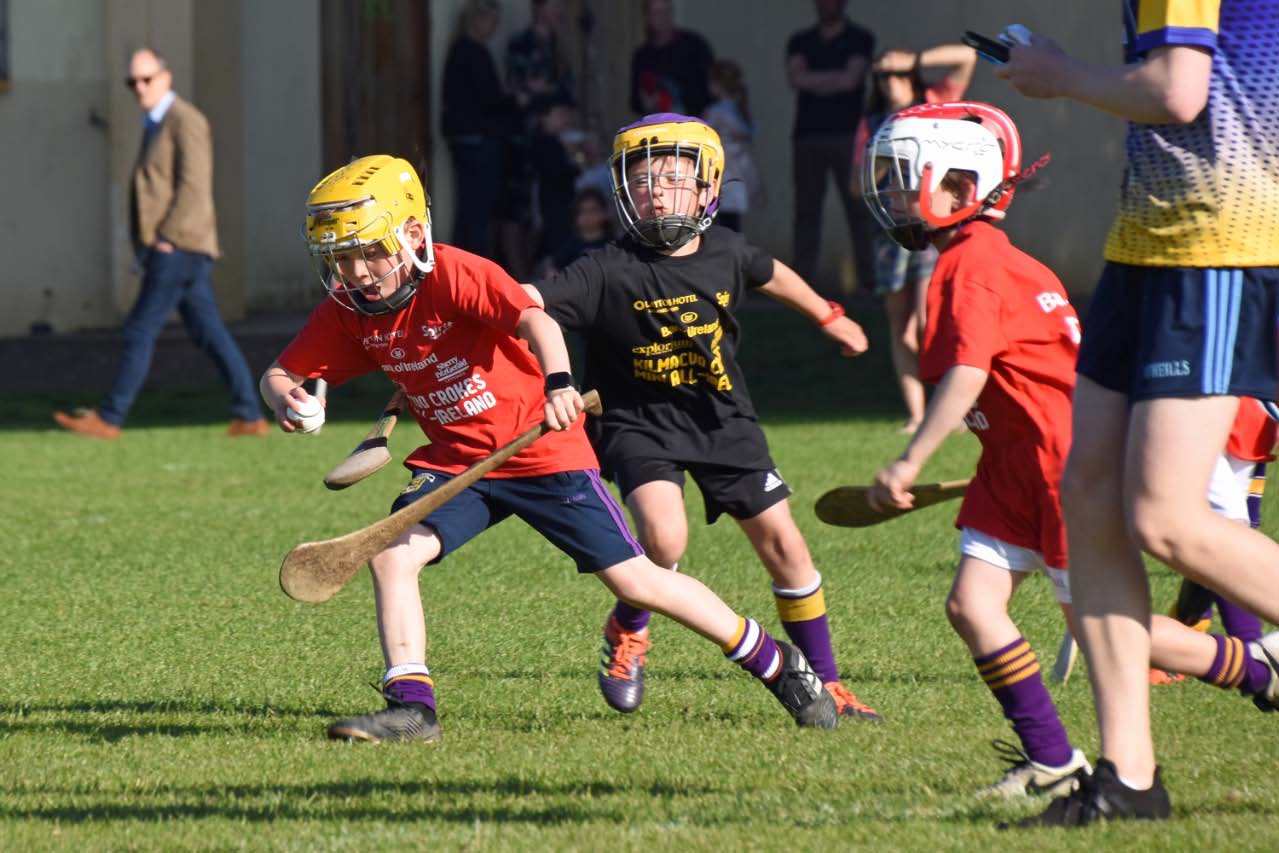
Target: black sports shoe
[
  {"x": 801, "y": 692},
  {"x": 397, "y": 721},
  {"x": 1102, "y": 796}
]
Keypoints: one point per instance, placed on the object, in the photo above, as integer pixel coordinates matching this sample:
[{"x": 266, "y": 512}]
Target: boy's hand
[
  {"x": 1037, "y": 70},
  {"x": 563, "y": 405},
  {"x": 850, "y": 337},
  {"x": 292, "y": 400},
  {"x": 892, "y": 486}
]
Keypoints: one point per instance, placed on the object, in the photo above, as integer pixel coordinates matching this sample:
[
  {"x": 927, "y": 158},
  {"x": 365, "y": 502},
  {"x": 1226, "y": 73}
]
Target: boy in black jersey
[{"x": 656, "y": 311}]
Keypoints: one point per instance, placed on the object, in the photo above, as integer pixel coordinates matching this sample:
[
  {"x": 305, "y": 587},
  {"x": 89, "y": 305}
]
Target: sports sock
[
  {"x": 803, "y": 614},
  {"x": 1012, "y": 674},
  {"x": 1234, "y": 667},
  {"x": 410, "y": 682},
  {"x": 754, "y": 650},
  {"x": 630, "y": 618},
  {"x": 1237, "y": 621}
]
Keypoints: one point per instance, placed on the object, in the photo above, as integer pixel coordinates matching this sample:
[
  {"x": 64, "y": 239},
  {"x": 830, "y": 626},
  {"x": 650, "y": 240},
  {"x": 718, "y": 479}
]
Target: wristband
[
  {"x": 836, "y": 311},
  {"x": 558, "y": 381}
]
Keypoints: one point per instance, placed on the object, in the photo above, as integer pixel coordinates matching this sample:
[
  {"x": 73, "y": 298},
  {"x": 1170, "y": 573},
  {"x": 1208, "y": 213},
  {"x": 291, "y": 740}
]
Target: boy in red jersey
[
  {"x": 479, "y": 363},
  {"x": 1000, "y": 341}
]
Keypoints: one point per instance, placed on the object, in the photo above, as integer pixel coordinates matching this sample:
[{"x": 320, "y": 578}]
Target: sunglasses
[{"x": 131, "y": 82}]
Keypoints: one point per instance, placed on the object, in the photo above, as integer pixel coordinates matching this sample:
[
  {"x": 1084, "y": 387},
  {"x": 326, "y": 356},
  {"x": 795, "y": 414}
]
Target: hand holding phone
[{"x": 987, "y": 48}]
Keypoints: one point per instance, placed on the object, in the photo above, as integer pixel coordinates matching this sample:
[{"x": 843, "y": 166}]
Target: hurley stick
[
  {"x": 315, "y": 571},
  {"x": 849, "y": 506},
  {"x": 371, "y": 453}
]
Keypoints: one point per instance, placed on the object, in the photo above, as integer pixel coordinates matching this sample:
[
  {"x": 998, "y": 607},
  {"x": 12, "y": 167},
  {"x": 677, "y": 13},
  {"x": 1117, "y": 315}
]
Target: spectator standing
[
  {"x": 729, "y": 113},
  {"x": 174, "y": 230},
  {"x": 476, "y": 118},
  {"x": 669, "y": 70},
  {"x": 826, "y": 66},
  {"x": 901, "y": 276},
  {"x": 591, "y": 225}
]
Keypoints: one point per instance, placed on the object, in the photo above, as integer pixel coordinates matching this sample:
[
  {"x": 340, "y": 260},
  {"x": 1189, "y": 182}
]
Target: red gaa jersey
[
  {"x": 1252, "y": 436},
  {"x": 470, "y": 383},
  {"x": 994, "y": 307}
]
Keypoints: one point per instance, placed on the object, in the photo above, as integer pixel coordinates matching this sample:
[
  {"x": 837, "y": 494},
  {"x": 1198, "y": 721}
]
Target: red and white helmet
[{"x": 914, "y": 150}]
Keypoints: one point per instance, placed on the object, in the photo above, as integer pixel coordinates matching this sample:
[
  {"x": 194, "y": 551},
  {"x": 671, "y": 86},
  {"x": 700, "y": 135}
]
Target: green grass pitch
[{"x": 157, "y": 691}]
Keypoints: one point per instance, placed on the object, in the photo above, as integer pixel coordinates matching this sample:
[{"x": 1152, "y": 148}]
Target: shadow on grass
[
  {"x": 366, "y": 799},
  {"x": 99, "y": 719}
]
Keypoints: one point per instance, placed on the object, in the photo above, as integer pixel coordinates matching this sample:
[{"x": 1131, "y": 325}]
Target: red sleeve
[
  {"x": 964, "y": 328},
  {"x": 327, "y": 348},
  {"x": 481, "y": 289}
]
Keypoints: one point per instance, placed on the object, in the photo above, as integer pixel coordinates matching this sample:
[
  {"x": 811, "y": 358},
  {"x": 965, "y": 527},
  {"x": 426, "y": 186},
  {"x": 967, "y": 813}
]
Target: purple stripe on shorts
[{"x": 606, "y": 497}]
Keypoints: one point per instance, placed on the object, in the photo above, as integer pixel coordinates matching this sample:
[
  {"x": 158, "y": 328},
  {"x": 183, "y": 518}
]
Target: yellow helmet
[
  {"x": 667, "y": 135},
  {"x": 366, "y": 203}
]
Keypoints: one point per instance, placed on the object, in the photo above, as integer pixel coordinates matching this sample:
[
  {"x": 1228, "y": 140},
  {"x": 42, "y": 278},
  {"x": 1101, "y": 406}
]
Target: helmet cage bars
[
  {"x": 692, "y": 156},
  {"x": 916, "y": 149}
]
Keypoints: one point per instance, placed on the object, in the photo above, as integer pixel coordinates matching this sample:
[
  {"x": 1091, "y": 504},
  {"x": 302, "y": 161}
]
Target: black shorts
[
  {"x": 739, "y": 492},
  {"x": 1155, "y": 332},
  {"x": 574, "y": 510}
]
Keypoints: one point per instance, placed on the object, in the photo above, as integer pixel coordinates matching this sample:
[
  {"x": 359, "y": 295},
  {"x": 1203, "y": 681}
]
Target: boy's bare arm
[
  {"x": 788, "y": 288},
  {"x": 534, "y": 294},
  {"x": 1169, "y": 86},
  {"x": 546, "y": 340},
  {"x": 955, "y": 396}
]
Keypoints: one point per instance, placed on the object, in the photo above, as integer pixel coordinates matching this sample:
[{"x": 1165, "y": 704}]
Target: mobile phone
[{"x": 987, "y": 48}]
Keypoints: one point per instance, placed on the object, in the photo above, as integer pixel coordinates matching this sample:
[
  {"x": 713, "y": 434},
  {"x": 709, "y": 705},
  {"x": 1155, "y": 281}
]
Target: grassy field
[{"x": 157, "y": 691}]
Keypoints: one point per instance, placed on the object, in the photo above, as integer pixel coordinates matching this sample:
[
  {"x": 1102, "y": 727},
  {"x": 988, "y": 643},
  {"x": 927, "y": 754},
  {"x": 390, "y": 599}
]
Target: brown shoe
[
  {"x": 88, "y": 423},
  {"x": 241, "y": 427}
]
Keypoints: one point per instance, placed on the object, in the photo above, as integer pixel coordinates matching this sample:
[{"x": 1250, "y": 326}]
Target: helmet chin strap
[
  {"x": 970, "y": 212},
  {"x": 394, "y": 302}
]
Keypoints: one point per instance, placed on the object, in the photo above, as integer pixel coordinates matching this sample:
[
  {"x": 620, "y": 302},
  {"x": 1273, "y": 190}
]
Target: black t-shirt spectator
[
  {"x": 676, "y": 73},
  {"x": 474, "y": 101},
  {"x": 840, "y": 112}
]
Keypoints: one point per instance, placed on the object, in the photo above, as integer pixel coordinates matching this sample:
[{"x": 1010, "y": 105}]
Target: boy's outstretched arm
[
  {"x": 789, "y": 289},
  {"x": 282, "y": 389},
  {"x": 546, "y": 340},
  {"x": 534, "y": 294},
  {"x": 955, "y": 395}
]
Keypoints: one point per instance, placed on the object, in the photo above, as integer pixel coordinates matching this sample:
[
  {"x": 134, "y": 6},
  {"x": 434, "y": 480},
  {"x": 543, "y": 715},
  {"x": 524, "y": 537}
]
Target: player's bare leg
[
  {"x": 801, "y": 603},
  {"x": 1171, "y": 453},
  {"x": 407, "y": 686},
  {"x": 903, "y": 336},
  {"x": 1108, "y": 580},
  {"x": 977, "y": 608},
  {"x": 657, "y": 508},
  {"x": 781, "y": 667}
]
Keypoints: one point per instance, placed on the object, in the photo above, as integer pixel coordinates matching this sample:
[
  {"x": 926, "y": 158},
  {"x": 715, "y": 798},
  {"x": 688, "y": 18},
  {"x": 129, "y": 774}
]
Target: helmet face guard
[
  {"x": 676, "y": 158},
  {"x": 358, "y": 214},
  {"x": 916, "y": 150}
]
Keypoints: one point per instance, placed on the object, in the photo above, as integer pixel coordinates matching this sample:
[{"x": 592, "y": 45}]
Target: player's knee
[
  {"x": 1161, "y": 531},
  {"x": 959, "y": 612},
  {"x": 394, "y": 564},
  {"x": 664, "y": 546}
]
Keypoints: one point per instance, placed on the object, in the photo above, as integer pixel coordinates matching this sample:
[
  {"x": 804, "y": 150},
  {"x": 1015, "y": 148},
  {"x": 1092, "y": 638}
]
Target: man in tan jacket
[{"x": 174, "y": 231}]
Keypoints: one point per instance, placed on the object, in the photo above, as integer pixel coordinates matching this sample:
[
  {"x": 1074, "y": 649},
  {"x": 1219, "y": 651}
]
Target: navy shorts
[
  {"x": 574, "y": 510},
  {"x": 741, "y": 493},
  {"x": 1156, "y": 332}
]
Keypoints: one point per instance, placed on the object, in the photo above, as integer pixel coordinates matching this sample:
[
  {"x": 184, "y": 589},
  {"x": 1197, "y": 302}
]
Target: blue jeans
[{"x": 177, "y": 280}]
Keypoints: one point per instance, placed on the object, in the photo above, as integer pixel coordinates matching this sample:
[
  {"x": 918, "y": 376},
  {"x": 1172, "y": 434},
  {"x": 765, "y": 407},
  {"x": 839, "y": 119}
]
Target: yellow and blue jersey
[{"x": 1205, "y": 194}]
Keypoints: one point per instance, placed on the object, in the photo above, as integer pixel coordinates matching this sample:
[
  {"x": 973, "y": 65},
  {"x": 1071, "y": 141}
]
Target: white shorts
[
  {"x": 1014, "y": 558},
  {"x": 1228, "y": 487}
]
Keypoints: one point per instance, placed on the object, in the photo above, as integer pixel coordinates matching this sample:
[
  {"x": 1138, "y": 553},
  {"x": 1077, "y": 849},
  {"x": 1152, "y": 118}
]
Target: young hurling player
[
  {"x": 1000, "y": 340},
  {"x": 657, "y": 311},
  {"x": 480, "y": 363},
  {"x": 1182, "y": 323}
]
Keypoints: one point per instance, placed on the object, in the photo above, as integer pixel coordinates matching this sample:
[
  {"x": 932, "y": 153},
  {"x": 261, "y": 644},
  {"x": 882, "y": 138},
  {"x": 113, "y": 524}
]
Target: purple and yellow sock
[
  {"x": 1237, "y": 621},
  {"x": 1234, "y": 667},
  {"x": 1256, "y": 491},
  {"x": 803, "y": 613},
  {"x": 1012, "y": 674},
  {"x": 410, "y": 682},
  {"x": 754, "y": 650}
]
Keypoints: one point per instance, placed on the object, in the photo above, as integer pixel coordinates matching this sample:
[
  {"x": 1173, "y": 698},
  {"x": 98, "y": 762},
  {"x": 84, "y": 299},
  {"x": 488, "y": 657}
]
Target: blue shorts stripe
[
  {"x": 1236, "y": 296},
  {"x": 1209, "y": 377}
]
